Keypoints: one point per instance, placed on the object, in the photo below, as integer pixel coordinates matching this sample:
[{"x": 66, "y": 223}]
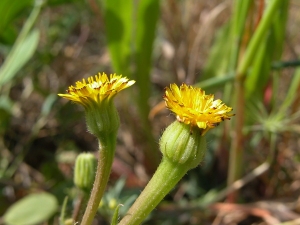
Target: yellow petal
[
  {"x": 193, "y": 106},
  {"x": 97, "y": 88}
]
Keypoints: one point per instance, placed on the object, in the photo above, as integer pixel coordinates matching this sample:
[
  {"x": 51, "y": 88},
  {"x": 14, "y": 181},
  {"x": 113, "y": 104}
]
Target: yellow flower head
[
  {"x": 97, "y": 89},
  {"x": 193, "y": 107}
]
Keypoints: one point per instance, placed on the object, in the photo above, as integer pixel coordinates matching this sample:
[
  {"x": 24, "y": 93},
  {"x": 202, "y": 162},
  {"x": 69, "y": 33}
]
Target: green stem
[
  {"x": 63, "y": 212},
  {"x": 239, "y": 17},
  {"x": 167, "y": 175},
  {"x": 80, "y": 205},
  {"x": 236, "y": 153},
  {"x": 106, "y": 155}
]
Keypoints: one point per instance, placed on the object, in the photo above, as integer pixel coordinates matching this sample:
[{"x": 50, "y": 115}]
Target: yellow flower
[
  {"x": 97, "y": 89},
  {"x": 96, "y": 96},
  {"x": 193, "y": 107}
]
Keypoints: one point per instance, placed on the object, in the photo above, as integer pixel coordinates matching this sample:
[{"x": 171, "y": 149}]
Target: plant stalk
[
  {"x": 106, "y": 155},
  {"x": 167, "y": 175},
  {"x": 79, "y": 205},
  {"x": 236, "y": 152}
]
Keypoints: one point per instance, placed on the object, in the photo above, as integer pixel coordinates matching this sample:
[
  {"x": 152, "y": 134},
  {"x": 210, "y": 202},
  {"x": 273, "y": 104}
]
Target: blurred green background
[{"x": 246, "y": 52}]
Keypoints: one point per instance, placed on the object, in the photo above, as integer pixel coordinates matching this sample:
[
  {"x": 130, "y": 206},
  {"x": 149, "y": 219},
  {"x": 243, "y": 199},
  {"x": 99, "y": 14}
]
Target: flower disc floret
[
  {"x": 97, "y": 89},
  {"x": 192, "y": 106}
]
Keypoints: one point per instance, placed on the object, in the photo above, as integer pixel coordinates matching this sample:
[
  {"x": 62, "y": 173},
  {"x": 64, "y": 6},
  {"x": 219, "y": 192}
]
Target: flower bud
[
  {"x": 84, "y": 171},
  {"x": 69, "y": 221},
  {"x": 181, "y": 143},
  {"x": 112, "y": 203}
]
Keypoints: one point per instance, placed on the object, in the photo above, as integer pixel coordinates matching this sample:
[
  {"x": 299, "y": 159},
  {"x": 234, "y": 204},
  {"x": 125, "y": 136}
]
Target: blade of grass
[
  {"x": 23, "y": 48},
  {"x": 240, "y": 12},
  {"x": 216, "y": 82},
  {"x": 237, "y": 26},
  {"x": 291, "y": 94},
  {"x": 270, "y": 49},
  {"x": 130, "y": 30},
  {"x": 237, "y": 30},
  {"x": 147, "y": 17},
  {"x": 221, "y": 80},
  {"x": 236, "y": 153},
  {"x": 18, "y": 57},
  {"x": 258, "y": 76},
  {"x": 63, "y": 211},
  {"x": 9, "y": 9},
  {"x": 118, "y": 18},
  {"x": 257, "y": 37},
  {"x": 217, "y": 62}
]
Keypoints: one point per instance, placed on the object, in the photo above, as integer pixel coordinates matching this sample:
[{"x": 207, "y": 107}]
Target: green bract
[
  {"x": 183, "y": 144},
  {"x": 102, "y": 118}
]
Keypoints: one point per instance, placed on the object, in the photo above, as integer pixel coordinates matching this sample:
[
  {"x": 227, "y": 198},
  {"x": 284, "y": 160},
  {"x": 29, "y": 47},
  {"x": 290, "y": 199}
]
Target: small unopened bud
[
  {"x": 84, "y": 171},
  {"x": 69, "y": 221},
  {"x": 112, "y": 203}
]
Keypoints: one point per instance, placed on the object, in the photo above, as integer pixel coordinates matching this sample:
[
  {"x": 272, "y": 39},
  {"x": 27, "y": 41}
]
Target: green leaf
[
  {"x": 292, "y": 92},
  {"x": 119, "y": 25},
  {"x": 48, "y": 104},
  {"x": 237, "y": 27},
  {"x": 32, "y": 209},
  {"x": 6, "y": 106},
  {"x": 147, "y": 16},
  {"x": 270, "y": 48},
  {"x": 258, "y": 36},
  {"x": 114, "y": 220},
  {"x": 130, "y": 36},
  {"x": 130, "y": 31},
  {"x": 216, "y": 82},
  {"x": 218, "y": 60},
  {"x": 17, "y": 59},
  {"x": 9, "y": 10},
  {"x": 258, "y": 77},
  {"x": 23, "y": 47},
  {"x": 63, "y": 212},
  {"x": 224, "y": 53},
  {"x": 119, "y": 187}
]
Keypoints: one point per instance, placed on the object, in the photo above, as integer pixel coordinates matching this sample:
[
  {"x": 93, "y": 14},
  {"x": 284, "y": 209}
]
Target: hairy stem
[
  {"x": 165, "y": 178},
  {"x": 106, "y": 155}
]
